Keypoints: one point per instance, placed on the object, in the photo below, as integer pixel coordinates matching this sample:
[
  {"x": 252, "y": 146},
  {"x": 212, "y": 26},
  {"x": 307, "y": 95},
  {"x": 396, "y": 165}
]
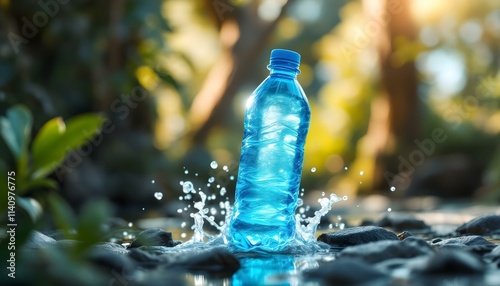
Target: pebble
[
  {"x": 401, "y": 222},
  {"x": 374, "y": 252},
  {"x": 356, "y": 236},
  {"x": 38, "y": 240},
  {"x": 454, "y": 263},
  {"x": 340, "y": 272},
  {"x": 153, "y": 237},
  {"x": 483, "y": 225}
]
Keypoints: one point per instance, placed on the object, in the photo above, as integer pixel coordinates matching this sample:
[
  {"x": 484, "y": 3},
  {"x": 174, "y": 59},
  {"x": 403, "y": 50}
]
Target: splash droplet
[
  {"x": 187, "y": 187},
  {"x": 225, "y": 168},
  {"x": 222, "y": 191},
  {"x": 393, "y": 189},
  {"x": 214, "y": 165},
  {"x": 130, "y": 224},
  {"x": 313, "y": 169},
  {"x": 300, "y": 202},
  {"x": 158, "y": 195},
  {"x": 186, "y": 172},
  {"x": 183, "y": 224},
  {"x": 231, "y": 178},
  {"x": 153, "y": 181},
  {"x": 211, "y": 179},
  {"x": 345, "y": 198},
  {"x": 183, "y": 235},
  {"x": 345, "y": 168},
  {"x": 389, "y": 209},
  {"x": 361, "y": 173}
]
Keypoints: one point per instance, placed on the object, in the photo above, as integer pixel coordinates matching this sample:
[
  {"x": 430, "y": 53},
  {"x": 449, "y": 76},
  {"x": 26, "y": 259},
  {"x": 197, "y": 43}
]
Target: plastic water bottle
[{"x": 275, "y": 128}]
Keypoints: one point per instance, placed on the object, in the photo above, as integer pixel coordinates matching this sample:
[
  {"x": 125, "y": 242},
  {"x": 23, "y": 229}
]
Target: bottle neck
[{"x": 283, "y": 71}]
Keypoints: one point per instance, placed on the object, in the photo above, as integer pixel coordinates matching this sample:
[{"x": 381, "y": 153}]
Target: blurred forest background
[{"x": 405, "y": 95}]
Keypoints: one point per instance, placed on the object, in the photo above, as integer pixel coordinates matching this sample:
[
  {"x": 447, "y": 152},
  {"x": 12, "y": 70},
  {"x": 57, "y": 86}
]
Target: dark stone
[
  {"x": 404, "y": 235},
  {"x": 374, "y": 252},
  {"x": 483, "y": 225},
  {"x": 216, "y": 261},
  {"x": 493, "y": 256},
  {"x": 454, "y": 262},
  {"x": 38, "y": 240},
  {"x": 464, "y": 240},
  {"x": 110, "y": 260},
  {"x": 347, "y": 271},
  {"x": 153, "y": 237},
  {"x": 402, "y": 222},
  {"x": 356, "y": 235},
  {"x": 143, "y": 258},
  {"x": 367, "y": 222}
]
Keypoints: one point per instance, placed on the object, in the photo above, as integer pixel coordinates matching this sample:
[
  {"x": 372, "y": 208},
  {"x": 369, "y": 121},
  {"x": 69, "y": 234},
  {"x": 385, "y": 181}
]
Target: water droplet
[
  {"x": 222, "y": 212},
  {"x": 222, "y": 191},
  {"x": 153, "y": 181},
  {"x": 181, "y": 198},
  {"x": 142, "y": 208},
  {"x": 225, "y": 168},
  {"x": 361, "y": 173},
  {"x": 125, "y": 233},
  {"x": 211, "y": 179},
  {"x": 187, "y": 197},
  {"x": 183, "y": 235},
  {"x": 339, "y": 217},
  {"x": 345, "y": 198},
  {"x": 393, "y": 189},
  {"x": 313, "y": 169},
  {"x": 187, "y": 187},
  {"x": 214, "y": 165},
  {"x": 183, "y": 224},
  {"x": 302, "y": 210},
  {"x": 158, "y": 195},
  {"x": 213, "y": 211},
  {"x": 130, "y": 224},
  {"x": 322, "y": 194},
  {"x": 196, "y": 174},
  {"x": 345, "y": 168},
  {"x": 389, "y": 209},
  {"x": 179, "y": 210},
  {"x": 231, "y": 178},
  {"x": 186, "y": 172},
  {"x": 342, "y": 226},
  {"x": 330, "y": 226},
  {"x": 208, "y": 185},
  {"x": 300, "y": 202},
  {"x": 360, "y": 183}
]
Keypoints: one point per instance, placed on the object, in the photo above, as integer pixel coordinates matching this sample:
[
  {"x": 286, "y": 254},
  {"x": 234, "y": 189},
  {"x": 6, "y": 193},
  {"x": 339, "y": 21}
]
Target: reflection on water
[{"x": 272, "y": 270}]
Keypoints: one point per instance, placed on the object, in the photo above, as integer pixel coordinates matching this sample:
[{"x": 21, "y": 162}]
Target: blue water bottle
[{"x": 275, "y": 129}]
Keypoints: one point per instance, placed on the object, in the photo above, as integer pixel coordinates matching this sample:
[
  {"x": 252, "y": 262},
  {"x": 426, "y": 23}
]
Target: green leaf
[
  {"x": 16, "y": 130},
  {"x": 55, "y": 140},
  {"x": 44, "y": 183},
  {"x": 92, "y": 218},
  {"x": 31, "y": 206},
  {"x": 62, "y": 213}
]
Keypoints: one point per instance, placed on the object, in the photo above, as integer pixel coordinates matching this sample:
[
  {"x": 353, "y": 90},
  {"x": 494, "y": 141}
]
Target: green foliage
[{"x": 48, "y": 150}]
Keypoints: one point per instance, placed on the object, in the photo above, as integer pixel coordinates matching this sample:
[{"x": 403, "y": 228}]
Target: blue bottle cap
[{"x": 286, "y": 55}]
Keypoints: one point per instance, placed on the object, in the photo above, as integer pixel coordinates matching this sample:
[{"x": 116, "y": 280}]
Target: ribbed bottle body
[{"x": 275, "y": 129}]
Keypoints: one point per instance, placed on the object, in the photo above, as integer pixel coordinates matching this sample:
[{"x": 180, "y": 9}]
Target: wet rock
[
  {"x": 38, "y": 240},
  {"x": 463, "y": 240},
  {"x": 356, "y": 235},
  {"x": 109, "y": 246},
  {"x": 143, "y": 258},
  {"x": 347, "y": 271},
  {"x": 111, "y": 260},
  {"x": 455, "y": 263},
  {"x": 493, "y": 256},
  {"x": 483, "y": 225},
  {"x": 374, "y": 252},
  {"x": 402, "y": 222},
  {"x": 216, "y": 261},
  {"x": 153, "y": 237}
]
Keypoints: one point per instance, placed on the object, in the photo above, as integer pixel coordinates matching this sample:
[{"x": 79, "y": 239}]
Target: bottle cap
[{"x": 285, "y": 57}]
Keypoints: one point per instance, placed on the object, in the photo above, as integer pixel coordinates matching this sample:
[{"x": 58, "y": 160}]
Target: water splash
[
  {"x": 158, "y": 195},
  {"x": 306, "y": 227}
]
